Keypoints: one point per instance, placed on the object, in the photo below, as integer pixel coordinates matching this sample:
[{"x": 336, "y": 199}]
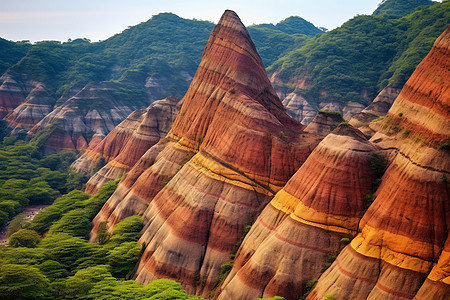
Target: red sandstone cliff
[
  {"x": 402, "y": 235},
  {"x": 125, "y": 145},
  {"x": 303, "y": 226},
  {"x": 231, "y": 148}
]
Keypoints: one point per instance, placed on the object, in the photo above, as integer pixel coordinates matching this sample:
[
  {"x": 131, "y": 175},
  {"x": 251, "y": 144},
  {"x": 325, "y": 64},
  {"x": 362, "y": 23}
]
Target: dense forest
[
  {"x": 50, "y": 257},
  {"x": 355, "y": 61},
  {"x": 166, "y": 46}
]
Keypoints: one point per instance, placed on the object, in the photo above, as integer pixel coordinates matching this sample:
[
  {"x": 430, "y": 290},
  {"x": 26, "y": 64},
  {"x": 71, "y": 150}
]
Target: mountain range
[{"x": 250, "y": 185}]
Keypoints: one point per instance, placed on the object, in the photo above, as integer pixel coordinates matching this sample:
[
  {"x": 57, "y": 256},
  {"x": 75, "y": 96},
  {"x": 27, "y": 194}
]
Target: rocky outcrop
[
  {"x": 402, "y": 234},
  {"x": 35, "y": 107},
  {"x": 324, "y": 123},
  {"x": 230, "y": 149},
  {"x": 300, "y": 109},
  {"x": 87, "y": 117},
  {"x": 126, "y": 144},
  {"x": 304, "y": 225},
  {"x": 378, "y": 108},
  {"x": 14, "y": 89}
]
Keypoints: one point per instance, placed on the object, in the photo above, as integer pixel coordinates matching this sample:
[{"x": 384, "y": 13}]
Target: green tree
[
  {"x": 22, "y": 282},
  {"x": 24, "y": 238}
]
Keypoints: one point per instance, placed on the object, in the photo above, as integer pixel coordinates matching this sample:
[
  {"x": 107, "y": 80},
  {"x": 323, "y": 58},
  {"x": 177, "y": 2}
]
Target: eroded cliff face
[
  {"x": 33, "y": 109},
  {"x": 324, "y": 123},
  {"x": 230, "y": 149},
  {"x": 302, "y": 228},
  {"x": 378, "y": 108},
  {"x": 87, "y": 117},
  {"x": 399, "y": 252},
  {"x": 126, "y": 144},
  {"x": 14, "y": 89},
  {"x": 302, "y": 110}
]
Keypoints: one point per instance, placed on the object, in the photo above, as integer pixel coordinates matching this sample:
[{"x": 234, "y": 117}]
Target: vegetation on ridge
[
  {"x": 355, "y": 61},
  {"x": 400, "y": 8}
]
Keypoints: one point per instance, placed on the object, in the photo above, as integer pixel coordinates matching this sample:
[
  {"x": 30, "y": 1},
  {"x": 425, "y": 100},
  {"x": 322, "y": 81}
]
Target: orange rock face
[
  {"x": 403, "y": 232},
  {"x": 126, "y": 144},
  {"x": 231, "y": 148},
  {"x": 302, "y": 227}
]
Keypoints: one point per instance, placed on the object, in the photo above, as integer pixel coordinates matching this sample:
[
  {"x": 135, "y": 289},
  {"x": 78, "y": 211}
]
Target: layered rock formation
[
  {"x": 378, "y": 108},
  {"x": 14, "y": 88},
  {"x": 324, "y": 123},
  {"x": 126, "y": 144},
  {"x": 231, "y": 148},
  {"x": 35, "y": 107},
  {"x": 303, "y": 226},
  {"x": 402, "y": 234},
  {"x": 88, "y": 116},
  {"x": 437, "y": 284},
  {"x": 300, "y": 109}
]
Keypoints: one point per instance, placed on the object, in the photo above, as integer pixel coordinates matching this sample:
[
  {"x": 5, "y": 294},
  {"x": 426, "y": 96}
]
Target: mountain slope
[
  {"x": 355, "y": 61},
  {"x": 399, "y": 8},
  {"x": 403, "y": 233},
  {"x": 196, "y": 190}
]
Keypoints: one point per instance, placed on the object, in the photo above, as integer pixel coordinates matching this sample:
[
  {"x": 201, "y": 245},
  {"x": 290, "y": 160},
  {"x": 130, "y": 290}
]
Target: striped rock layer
[
  {"x": 126, "y": 144},
  {"x": 14, "y": 89},
  {"x": 231, "y": 148},
  {"x": 302, "y": 227},
  {"x": 323, "y": 123},
  {"x": 437, "y": 284},
  {"x": 35, "y": 107},
  {"x": 379, "y": 107},
  {"x": 402, "y": 235},
  {"x": 86, "y": 118}
]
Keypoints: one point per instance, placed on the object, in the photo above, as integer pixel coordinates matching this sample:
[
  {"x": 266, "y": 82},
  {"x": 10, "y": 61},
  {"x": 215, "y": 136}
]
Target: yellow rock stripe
[
  {"x": 219, "y": 172},
  {"x": 284, "y": 202},
  {"x": 327, "y": 219},
  {"x": 387, "y": 246}
]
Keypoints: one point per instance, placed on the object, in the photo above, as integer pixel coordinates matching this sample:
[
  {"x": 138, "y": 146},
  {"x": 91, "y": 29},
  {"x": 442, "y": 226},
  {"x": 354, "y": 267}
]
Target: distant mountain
[
  {"x": 354, "y": 62},
  {"x": 399, "y": 8}
]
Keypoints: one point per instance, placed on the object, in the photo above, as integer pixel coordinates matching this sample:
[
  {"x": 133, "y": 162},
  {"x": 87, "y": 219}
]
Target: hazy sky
[{"x": 37, "y": 20}]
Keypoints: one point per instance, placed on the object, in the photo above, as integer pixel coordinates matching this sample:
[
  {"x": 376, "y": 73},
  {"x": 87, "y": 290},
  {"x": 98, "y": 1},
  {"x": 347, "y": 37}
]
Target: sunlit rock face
[
  {"x": 303, "y": 226},
  {"x": 400, "y": 251},
  {"x": 230, "y": 149},
  {"x": 126, "y": 144}
]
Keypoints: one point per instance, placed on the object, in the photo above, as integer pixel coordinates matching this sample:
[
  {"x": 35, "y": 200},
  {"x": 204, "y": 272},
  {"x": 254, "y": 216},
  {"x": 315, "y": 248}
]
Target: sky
[{"x": 37, "y": 20}]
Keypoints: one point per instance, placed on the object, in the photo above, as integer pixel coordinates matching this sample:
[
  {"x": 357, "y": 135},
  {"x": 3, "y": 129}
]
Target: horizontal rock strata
[
  {"x": 231, "y": 148},
  {"x": 402, "y": 234},
  {"x": 86, "y": 118},
  {"x": 126, "y": 144},
  {"x": 302, "y": 227}
]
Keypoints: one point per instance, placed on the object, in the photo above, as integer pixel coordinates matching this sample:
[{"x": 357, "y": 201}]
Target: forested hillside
[{"x": 355, "y": 61}]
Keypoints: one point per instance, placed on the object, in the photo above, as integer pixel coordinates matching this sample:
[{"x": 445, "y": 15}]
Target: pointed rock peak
[{"x": 231, "y": 30}]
